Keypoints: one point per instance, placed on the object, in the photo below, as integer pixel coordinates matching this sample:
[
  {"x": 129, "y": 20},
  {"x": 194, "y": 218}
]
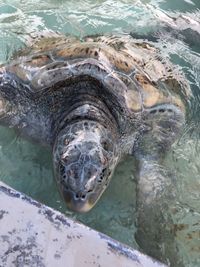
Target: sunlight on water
[{"x": 28, "y": 167}]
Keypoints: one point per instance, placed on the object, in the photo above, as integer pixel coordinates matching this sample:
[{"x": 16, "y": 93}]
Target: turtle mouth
[{"x": 80, "y": 201}]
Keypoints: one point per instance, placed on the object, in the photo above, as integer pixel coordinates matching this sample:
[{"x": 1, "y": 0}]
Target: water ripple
[{"x": 172, "y": 26}]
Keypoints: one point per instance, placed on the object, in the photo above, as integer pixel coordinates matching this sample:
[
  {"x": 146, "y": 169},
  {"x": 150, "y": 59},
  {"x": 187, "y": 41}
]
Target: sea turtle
[{"x": 93, "y": 101}]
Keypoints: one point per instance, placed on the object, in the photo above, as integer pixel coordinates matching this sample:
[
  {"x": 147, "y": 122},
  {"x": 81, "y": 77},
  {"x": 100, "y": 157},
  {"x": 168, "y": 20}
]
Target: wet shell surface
[{"x": 131, "y": 69}]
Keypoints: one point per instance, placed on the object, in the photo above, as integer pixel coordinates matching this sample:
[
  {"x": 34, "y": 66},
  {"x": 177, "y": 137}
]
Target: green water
[{"x": 28, "y": 167}]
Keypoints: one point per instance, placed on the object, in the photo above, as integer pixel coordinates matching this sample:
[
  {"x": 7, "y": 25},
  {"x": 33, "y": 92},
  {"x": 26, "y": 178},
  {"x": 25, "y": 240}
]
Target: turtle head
[{"x": 85, "y": 155}]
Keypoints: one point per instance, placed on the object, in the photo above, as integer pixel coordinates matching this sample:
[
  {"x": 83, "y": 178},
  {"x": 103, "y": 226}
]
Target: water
[{"x": 28, "y": 167}]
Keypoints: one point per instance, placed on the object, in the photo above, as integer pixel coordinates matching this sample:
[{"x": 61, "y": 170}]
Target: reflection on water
[{"x": 173, "y": 27}]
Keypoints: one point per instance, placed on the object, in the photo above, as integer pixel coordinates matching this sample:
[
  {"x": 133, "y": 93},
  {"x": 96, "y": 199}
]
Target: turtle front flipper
[
  {"x": 7, "y": 109},
  {"x": 155, "y": 186}
]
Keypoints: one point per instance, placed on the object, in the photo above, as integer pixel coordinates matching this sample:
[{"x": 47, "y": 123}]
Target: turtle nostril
[
  {"x": 80, "y": 195},
  {"x": 83, "y": 197}
]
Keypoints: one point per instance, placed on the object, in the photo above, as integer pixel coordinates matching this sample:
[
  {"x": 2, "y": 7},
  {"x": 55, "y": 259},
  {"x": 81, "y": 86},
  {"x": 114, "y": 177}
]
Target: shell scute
[
  {"x": 51, "y": 75},
  {"x": 52, "y": 43},
  {"x": 108, "y": 55},
  {"x": 19, "y": 71},
  {"x": 39, "y": 61},
  {"x": 71, "y": 52},
  {"x": 152, "y": 95},
  {"x": 26, "y": 67},
  {"x": 131, "y": 92}
]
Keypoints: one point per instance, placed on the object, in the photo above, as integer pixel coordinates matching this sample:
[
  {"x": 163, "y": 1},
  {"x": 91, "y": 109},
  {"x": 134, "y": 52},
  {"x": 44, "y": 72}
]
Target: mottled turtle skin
[{"x": 93, "y": 101}]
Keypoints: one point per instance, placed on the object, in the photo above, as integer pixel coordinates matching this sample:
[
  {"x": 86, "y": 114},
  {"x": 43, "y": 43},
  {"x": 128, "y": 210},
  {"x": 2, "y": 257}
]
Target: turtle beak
[{"x": 80, "y": 201}]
